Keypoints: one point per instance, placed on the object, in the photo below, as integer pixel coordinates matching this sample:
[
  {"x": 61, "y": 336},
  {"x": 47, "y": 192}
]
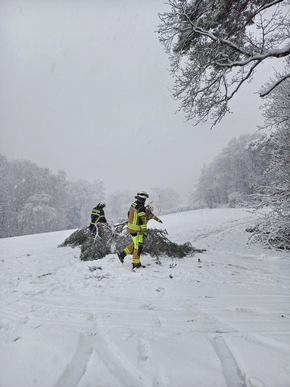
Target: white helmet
[
  {"x": 102, "y": 203},
  {"x": 142, "y": 195}
]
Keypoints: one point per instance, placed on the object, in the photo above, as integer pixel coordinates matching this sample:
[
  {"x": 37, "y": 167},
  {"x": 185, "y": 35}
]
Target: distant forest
[
  {"x": 236, "y": 175},
  {"x": 253, "y": 171},
  {"x": 34, "y": 200}
]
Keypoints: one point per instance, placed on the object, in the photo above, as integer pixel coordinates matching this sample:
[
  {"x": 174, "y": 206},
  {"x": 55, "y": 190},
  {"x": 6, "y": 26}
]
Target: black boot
[
  {"x": 121, "y": 256},
  {"x": 137, "y": 265}
]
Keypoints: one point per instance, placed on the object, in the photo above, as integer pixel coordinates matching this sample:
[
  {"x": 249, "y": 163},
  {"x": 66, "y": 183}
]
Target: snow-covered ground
[{"x": 223, "y": 321}]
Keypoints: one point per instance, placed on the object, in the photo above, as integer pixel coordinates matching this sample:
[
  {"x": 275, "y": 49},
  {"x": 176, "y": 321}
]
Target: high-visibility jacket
[
  {"x": 98, "y": 215},
  {"x": 137, "y": 222}
]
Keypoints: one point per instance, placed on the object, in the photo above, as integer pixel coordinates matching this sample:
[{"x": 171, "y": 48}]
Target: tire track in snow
[
  {"x": 232, "y": 373},
  {"x": 78, "y": 365},
  {"x": 207, "y": 323},
  {"x": 117, "y": 363}
]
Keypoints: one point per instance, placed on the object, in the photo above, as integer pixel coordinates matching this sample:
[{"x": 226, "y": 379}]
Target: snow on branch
[
  {"x": 113, "y": 240},
  {"x": 214, "y": 48},
  {"x": 273, "y": 86}
]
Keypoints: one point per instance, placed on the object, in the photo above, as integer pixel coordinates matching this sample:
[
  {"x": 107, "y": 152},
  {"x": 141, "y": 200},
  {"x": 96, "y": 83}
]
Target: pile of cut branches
[
  {"x": 111, "y": 240},
  {"x": 157, "y": 244},
  {"x": 92, "y": 246},
  {"x": 77, "y": 238}
]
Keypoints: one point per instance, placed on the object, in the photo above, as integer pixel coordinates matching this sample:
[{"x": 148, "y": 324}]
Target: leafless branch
[{"x": 268, "y": 91}]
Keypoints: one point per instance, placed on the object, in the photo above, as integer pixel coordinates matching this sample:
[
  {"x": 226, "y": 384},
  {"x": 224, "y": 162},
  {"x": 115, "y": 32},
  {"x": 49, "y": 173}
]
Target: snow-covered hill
[{"x": 223, "y": 321}]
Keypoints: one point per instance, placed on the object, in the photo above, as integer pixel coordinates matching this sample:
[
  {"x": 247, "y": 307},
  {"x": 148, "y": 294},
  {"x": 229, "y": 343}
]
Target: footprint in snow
[{"x": 143, "y": 350}]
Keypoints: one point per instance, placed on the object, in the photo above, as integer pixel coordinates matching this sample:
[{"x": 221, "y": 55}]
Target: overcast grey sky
[{"x": 85, "y": 89}]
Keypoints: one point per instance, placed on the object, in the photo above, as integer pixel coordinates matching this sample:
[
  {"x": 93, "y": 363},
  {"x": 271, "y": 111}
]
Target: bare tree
[
  {"x": 215, "y": 46},
  {"x": 274, "y": 230}
]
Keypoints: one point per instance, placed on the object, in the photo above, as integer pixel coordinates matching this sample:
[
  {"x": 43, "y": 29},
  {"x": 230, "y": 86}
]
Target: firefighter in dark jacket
[
  {"x": 97, "y": 216},
  {"x": 137, "y": 227}
]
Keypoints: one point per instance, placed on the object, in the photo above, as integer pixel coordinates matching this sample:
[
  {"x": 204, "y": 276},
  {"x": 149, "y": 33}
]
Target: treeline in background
[
  {"x": 35, "y": 200},
  {"x": 253, "y": 171}
]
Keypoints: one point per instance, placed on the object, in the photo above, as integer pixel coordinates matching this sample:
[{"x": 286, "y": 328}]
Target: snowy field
[{"x": 223, "y": 321}]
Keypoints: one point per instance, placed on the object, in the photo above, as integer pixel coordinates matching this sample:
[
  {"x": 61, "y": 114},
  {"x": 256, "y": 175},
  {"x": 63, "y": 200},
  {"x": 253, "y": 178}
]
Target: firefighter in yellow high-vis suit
[{"x": 137, "y": 227}]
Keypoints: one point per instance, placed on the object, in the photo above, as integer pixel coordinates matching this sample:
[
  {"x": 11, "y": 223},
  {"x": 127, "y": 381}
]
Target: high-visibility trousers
[{"x": 136, "y": 247}]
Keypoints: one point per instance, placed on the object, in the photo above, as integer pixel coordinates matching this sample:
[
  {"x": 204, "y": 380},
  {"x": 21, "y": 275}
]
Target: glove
[
  {"x": 145, "y": 235},
  {"x": 160, "y": 221}
]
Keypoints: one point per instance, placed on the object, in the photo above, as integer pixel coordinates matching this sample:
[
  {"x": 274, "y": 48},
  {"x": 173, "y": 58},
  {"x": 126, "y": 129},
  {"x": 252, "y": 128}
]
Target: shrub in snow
[{"x": 272, "y": 231}]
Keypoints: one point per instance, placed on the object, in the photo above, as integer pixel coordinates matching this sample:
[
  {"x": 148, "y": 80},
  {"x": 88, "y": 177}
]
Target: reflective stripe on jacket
[
  {"x": 137, "y": 221},
  {"x": 98, "y": 215}
]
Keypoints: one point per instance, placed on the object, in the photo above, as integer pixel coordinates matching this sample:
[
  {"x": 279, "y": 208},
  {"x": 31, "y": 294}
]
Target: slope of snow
[{"x": 223, "y": 321}]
